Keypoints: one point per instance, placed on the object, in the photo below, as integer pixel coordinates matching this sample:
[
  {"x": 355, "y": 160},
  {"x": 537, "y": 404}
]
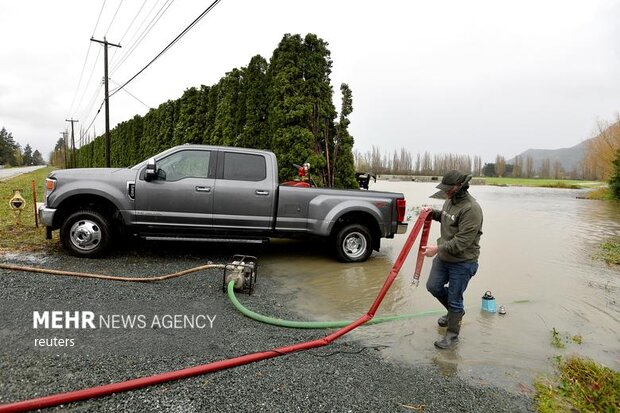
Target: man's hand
[{"x": 430, "y": 250}]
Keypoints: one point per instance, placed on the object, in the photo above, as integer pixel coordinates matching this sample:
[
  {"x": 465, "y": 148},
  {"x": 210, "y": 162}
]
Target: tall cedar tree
[{"x": 344, "y": 170}]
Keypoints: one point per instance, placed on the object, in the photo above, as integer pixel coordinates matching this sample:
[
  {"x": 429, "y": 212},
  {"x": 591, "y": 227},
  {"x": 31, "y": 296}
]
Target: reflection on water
[{"x": 538, "y": 246}]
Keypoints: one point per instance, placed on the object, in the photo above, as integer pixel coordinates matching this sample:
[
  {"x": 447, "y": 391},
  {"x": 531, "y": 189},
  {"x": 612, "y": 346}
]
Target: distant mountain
[{"x": 568, "y": 157}]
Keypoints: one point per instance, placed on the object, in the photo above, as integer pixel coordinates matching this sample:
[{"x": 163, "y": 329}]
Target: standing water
[{"x": 538, "y": 253}]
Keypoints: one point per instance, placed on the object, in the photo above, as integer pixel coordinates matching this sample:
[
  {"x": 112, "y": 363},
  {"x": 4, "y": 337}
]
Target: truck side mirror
[{"x": 151, "y": 170}]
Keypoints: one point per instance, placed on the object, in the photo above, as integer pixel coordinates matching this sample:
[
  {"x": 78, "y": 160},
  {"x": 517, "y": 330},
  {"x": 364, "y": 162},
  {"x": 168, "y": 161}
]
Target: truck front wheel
[
  {"x": 353, "y": 243},
  {"x": 85, "y": 233}
]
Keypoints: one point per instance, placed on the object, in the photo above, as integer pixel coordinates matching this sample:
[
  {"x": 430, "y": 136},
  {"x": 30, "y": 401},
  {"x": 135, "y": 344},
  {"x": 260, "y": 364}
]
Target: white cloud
[{"x": 478, "y": 77}]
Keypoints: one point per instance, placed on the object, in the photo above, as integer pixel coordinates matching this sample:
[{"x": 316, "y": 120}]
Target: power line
[
  {"x": 129, "y": 43},
  {"x": 176, "y": 39},
  {"x": 99, "y": 17},
  {"x": 114, "y": 17},
  {"x": 89, "y": 78},
  {"x": 130, "y": 94},
  {"x": 85, "y": 60},
  {"x": 94, "y": 117},
  {"x": 160, "y": 13},
  {"x": 91, "y": 103},
  {"x": 80, "y": 79},
  {"x": 128, "y": 27}
]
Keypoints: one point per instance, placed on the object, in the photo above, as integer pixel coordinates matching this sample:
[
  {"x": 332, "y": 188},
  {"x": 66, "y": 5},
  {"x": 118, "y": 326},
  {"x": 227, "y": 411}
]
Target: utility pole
[
  {"x": 73, "y": 164},
  {"x": 105, "y": 44},
  {"x": 64, "y": 146}
]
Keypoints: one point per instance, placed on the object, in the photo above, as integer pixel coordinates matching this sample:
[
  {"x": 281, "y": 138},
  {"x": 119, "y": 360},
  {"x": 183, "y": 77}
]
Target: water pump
[{"x": 242, "y": 271}]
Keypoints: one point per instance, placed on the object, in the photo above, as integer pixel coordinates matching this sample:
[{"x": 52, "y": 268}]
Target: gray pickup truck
[{"x": 216, "y": 194}]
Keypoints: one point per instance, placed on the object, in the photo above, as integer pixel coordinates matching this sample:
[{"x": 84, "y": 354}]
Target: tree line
[
  {"x": 524, "y": 167},
  {"x": 284, "y": 105},
  {"x": 596, "y": 165},
  {"x": 12, "y": 154},
  {"x": 401, "y": 162}
]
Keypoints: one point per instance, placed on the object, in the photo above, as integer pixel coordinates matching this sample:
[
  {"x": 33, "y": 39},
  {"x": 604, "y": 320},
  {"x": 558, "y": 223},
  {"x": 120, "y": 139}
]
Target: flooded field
[{"x": 537, "y": 258}]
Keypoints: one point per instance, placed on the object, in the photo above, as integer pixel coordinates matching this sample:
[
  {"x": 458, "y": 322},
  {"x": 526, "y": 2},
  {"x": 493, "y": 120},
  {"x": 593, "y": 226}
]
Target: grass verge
[
  {"x": 23, "y": 236},
  {"x": 544, "y": 183},
  {"x": 602, "y": 194},
  {"x": 611, "y": 251},
  {"x": 581, "y": 385}
]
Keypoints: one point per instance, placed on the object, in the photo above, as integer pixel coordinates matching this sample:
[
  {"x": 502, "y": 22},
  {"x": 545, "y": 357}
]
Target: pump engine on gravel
[{"x": 242, "y": 270}]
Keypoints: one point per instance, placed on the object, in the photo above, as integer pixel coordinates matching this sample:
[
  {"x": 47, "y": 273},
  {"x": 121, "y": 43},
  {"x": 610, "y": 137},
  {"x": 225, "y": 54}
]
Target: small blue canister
[{"x": 488, "y": 302}]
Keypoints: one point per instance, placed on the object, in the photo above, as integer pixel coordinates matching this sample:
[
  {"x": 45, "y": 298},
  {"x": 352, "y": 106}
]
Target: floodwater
[{"x": 538, "y": 245}]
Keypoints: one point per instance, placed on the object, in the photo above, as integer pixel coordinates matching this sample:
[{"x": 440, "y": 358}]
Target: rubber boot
[
  {"x": 443, "y": 320},
  {"x": 451, "y": 338}
]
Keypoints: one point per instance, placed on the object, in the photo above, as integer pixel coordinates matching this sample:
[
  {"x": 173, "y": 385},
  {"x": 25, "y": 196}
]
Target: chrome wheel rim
[
  {"x": 85, "y": 235},
  {"x": 354, "y": 245}
]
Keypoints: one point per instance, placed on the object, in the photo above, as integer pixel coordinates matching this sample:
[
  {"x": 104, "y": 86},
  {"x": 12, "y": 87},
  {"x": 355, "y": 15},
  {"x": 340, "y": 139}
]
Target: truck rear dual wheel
[
  {"x": 353, "y": 243},
  {"x": 85, "y": 233}
]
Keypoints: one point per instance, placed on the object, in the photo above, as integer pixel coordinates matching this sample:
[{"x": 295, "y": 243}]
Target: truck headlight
[{"x": 50, "y": 185}]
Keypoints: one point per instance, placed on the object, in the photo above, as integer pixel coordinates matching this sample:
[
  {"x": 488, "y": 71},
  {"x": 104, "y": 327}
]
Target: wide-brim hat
[{"x": 449, "y": 180}]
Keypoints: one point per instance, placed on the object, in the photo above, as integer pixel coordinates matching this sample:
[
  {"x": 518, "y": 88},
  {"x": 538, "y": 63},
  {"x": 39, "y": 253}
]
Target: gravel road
[{"x": 341, "y": 377}]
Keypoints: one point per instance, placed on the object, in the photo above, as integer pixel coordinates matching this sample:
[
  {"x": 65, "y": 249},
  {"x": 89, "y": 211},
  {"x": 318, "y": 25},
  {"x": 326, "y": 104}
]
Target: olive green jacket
[{"x": 461, "y": 228}]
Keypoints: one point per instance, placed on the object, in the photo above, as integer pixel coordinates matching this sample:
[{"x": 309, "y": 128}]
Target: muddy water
[{"x": 537, "y": 259}]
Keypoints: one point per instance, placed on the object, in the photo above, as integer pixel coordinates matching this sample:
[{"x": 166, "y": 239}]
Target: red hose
[{"x": 107, "y": 389}]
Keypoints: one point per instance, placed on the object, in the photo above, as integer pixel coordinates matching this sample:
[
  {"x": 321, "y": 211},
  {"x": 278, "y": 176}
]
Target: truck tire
[
  {"x": 353, "y": 243},
  {"x": 85, "y": 233}
]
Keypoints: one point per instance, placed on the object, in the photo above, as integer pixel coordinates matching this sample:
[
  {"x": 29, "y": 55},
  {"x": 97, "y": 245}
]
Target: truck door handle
[
  {"x": 259, "y": 192},
  {"x": 203, "y": 189}
]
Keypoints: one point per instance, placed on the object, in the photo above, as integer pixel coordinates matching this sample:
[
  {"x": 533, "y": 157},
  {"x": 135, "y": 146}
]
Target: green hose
[
  {"x": 315, "y": 324},
  {"x": 327, "y": 324}
]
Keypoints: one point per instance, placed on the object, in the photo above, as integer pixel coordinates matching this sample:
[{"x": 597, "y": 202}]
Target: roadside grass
[
  {"x": 581, "y": 385},
  {"x": 22, "y": 236},
  {"x": 544, "y": 183},
  {"x": 611, "y": 251},
  {"x": 603, "y": 194}
]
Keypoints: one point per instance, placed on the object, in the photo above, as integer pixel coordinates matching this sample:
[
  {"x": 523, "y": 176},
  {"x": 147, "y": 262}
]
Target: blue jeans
[{"x": 456, "y": 275}]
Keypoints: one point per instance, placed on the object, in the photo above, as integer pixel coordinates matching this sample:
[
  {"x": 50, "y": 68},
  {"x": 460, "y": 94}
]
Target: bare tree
[
  {"x": 529, "y": 167},
  {"x": 517, "y": 168},
  {"x": 500, "y": 165},
  {"x": 558, "y": 171},
  {"x": 545, "y": 168},
  {"x": 427, "y": 164},
  {"x": 477, "y": 166}
]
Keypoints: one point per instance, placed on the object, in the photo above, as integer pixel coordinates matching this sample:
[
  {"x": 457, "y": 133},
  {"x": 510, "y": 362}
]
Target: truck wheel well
[
  {"x": 362, "y": 218},
  {"x": 91, "y": 202}
]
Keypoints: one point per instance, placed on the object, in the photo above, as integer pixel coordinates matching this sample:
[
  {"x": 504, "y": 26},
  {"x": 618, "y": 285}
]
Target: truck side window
[
  {"x": 244, "y": 167},
  {"x": 185, "y": 164}
]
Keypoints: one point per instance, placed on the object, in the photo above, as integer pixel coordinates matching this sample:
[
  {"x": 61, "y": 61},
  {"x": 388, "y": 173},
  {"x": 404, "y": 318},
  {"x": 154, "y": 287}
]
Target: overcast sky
[{"x": 467, "y": 77}]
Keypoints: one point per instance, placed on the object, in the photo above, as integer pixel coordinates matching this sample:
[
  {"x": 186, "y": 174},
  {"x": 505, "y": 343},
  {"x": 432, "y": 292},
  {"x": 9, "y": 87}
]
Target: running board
[{"x": 194, "y": 239}]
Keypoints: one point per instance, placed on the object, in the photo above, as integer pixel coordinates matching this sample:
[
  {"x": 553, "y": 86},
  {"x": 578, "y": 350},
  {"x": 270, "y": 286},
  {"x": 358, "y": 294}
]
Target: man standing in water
[{"x": 456, "y": 252}]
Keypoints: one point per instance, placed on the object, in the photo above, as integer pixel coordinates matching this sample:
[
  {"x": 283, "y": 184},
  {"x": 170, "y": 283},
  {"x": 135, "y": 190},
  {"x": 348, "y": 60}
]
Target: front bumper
[{"x": 46, "y": 215}]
